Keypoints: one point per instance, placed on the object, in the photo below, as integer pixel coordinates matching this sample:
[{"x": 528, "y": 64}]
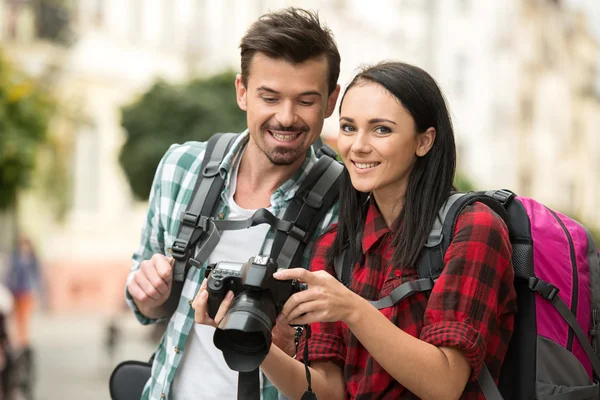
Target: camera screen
[{"x": 231, "y": 266}]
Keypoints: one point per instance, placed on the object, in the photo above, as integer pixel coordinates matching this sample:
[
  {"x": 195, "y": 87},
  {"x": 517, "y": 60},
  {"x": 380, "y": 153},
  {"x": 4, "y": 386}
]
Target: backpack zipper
[{"x": 575, "y": 294}]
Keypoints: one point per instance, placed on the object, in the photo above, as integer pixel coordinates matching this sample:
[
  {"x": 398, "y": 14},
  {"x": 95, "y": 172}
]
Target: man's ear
[
  {"x": 240, "y": 92},
  {"x": 331, "y": 101},
  {"x": 425, "y": 141}
]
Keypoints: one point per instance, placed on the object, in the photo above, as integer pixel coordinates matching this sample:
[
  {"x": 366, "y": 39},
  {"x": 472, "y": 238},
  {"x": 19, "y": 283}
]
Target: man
[{"x": 287, "y": 86}]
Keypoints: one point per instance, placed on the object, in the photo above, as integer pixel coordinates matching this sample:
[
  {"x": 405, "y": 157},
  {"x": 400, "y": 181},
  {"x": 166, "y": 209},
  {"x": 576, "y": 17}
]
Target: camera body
[{"x": 254, "y": 275}]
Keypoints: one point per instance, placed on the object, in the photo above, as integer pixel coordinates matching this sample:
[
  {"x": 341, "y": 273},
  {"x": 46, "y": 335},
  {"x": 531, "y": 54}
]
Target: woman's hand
[
  {"x": 325, "y": 300},
  {"x": 201, "y": 311}
]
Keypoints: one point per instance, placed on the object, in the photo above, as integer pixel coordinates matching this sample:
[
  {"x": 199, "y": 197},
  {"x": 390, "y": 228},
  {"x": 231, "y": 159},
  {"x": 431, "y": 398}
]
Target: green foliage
[
  {"x": 168, "y": 114},
  {"x": 462, "y": 183},
  {"x": 24, "y": 113}
]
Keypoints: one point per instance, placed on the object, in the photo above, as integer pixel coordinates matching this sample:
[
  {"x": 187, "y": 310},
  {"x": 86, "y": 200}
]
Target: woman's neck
[{"x": 390, "y": 205}]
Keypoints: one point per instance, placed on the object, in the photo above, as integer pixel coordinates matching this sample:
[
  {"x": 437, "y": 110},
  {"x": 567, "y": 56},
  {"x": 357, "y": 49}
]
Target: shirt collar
[{"x": 375, "y": 227}]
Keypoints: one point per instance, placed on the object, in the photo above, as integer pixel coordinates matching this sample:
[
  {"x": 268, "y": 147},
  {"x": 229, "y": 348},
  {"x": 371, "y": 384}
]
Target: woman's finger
[
  {"x": 304, "y": 296},
  {"x": 304, "y": 308}
]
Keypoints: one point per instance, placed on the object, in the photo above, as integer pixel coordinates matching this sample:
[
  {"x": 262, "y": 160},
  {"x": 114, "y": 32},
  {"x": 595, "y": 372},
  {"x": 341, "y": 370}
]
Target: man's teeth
[
  {"x": 284, "y": 138},
  {"x": 366, "y": 165}
]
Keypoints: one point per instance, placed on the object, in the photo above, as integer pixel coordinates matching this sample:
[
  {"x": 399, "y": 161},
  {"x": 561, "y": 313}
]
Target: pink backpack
[{"x": 554, "y": 351}]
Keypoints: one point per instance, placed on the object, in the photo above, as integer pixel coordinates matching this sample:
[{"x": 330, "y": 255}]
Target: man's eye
[
  {"x": 269, "y": 99},
  {"x": 306, "y": 103}
]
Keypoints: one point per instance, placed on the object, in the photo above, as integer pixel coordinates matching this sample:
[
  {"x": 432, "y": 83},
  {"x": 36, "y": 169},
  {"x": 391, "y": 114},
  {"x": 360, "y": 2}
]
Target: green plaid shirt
[{"x": 172, "y": 188}]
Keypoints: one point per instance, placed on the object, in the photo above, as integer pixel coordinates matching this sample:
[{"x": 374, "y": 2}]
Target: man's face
[{"x": 286, "y": 105}]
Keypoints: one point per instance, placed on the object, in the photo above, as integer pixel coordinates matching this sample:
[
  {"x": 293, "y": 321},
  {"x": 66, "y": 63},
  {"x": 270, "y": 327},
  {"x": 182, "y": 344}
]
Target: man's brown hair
[{"x": 292, "y": 34}]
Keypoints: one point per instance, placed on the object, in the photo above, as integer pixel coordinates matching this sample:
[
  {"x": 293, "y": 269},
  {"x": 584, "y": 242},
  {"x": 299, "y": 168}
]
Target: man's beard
[{"x": 282, "y": 156}]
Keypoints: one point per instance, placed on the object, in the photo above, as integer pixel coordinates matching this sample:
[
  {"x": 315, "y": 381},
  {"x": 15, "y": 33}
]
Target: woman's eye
[
  {"x": 382, "y": 129},
  {"x": 347, "y": 128}
]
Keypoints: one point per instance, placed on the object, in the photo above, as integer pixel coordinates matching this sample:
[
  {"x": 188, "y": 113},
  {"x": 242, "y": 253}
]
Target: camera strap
[
  {"x": 249, "y": 385},
  {"x": 309, "y": 394}
]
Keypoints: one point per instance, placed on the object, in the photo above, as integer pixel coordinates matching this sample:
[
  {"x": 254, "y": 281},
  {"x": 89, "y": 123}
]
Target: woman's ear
[{"x": 425, "y": 142}]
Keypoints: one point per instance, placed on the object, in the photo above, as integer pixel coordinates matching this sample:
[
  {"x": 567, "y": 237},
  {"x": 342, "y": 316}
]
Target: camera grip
[{"x": 215, "y": 297}]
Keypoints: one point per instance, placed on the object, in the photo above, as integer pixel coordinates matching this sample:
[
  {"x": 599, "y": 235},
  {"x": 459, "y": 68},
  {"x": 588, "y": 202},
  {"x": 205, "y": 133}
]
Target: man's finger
[
  {"x": 163, "y": 268},
  {"x": 145, "y": 285},
  {"x": 224, "y": 307}
]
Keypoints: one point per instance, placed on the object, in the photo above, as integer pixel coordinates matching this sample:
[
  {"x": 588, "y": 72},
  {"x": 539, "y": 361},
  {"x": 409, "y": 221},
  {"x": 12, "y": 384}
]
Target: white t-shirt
[{"x": 202, "y": 372}]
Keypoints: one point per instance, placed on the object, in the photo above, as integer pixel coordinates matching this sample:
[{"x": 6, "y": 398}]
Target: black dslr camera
[{"x": 244, "y": 334}]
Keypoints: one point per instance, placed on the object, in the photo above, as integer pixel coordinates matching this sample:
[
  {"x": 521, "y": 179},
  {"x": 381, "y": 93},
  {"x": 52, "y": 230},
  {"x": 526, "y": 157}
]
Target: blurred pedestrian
[{"x": 23, "y": 280}]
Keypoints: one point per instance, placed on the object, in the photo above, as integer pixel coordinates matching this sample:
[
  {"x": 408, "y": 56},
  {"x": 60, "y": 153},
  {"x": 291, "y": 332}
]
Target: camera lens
[{"x": 244, "y": 334}]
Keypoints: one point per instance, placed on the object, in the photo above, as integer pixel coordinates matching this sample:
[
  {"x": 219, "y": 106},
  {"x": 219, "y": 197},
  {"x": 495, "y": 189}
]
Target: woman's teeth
[{"x": 366, "y": 165}]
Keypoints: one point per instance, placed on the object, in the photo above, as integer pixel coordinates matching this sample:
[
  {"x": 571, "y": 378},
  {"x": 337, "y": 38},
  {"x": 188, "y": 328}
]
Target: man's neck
[{"x": 258, "y": 178}]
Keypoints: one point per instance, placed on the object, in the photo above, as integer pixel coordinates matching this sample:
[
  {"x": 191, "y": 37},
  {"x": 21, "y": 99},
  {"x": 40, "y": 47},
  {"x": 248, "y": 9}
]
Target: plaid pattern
[
  {"x": 171, "y": 191},
  {"x": 471, "y": 306}
]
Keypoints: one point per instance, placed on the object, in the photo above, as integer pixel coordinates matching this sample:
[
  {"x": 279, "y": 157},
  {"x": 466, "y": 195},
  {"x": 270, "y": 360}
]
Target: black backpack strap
[
  {"x": 431, "y": 261},
  {"x": 342, "y": 264},
  {"x": 203, "y": 202},
  {"x": 313, "y": 199}
]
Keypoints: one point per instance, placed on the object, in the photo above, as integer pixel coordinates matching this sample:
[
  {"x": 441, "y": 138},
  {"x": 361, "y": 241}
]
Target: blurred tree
[
  {"x": 168, "y": 114},
  {"x": 25, "y": 110},
  {"x": 462, "y": 183}
]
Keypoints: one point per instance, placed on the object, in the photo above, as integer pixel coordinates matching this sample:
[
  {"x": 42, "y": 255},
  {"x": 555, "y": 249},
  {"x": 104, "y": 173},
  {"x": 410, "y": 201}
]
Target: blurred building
[{"x": 520, "y": 76}]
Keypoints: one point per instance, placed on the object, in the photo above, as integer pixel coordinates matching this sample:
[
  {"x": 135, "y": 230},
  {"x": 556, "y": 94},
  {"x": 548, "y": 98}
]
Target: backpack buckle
[
  {"x": 179, "y": 249},
  {"x": 326, "y": 150},
  {"x": 297, "y": 233},
  {"x": 189, "y": 219},
  {"x": 545, "y": 289},
  {"x": 503, "y": 195}
]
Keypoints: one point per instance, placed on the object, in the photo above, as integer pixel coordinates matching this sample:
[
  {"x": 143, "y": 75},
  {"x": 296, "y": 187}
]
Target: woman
[{"x": 397, "y": 143}]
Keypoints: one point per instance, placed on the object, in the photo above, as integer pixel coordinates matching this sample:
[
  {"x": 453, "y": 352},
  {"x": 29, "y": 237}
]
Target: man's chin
[{"x": 284, "y": 158}]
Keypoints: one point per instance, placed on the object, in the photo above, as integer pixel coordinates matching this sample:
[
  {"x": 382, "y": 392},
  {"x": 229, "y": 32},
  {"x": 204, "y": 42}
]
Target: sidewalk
[{"x": 71, "y": 357}]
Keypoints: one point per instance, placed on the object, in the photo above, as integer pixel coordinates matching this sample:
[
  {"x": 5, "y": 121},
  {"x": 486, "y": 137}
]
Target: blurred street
[{"x": 71, "y": 356}]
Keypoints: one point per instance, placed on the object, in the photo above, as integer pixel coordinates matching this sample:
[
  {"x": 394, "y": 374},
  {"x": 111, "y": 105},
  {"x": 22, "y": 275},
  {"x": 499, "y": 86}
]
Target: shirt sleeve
[
  {"x": 474, "y": 296},
  {"x": 152, "y": 238},
  {"x": 326, "y": 341}
]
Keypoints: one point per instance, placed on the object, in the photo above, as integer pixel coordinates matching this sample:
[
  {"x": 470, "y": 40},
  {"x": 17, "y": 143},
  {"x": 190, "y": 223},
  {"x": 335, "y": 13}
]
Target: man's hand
[
  {"x": 151, "y": 285},
  {"x": 284, "y": 337},
  {"x": 201, "y": 309}
]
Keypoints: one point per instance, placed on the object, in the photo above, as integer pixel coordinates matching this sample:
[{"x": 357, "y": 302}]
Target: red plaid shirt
[{"x": 471, "y": 306}]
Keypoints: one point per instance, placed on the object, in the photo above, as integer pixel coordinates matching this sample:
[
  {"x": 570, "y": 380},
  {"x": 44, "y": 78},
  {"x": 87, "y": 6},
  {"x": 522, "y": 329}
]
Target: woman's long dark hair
[{"x": 430, "y": 181}]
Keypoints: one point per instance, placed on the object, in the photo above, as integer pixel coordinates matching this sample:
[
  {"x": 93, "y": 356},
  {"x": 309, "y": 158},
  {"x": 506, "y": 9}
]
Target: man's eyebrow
[{"x": 307, "y": 93}]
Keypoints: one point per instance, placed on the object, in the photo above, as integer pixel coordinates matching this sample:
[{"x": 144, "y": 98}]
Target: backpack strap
[
  {"x": 313, "y": 199},
  {"x": 204, "y": 199},
  {"x": 549, "y": 292}
]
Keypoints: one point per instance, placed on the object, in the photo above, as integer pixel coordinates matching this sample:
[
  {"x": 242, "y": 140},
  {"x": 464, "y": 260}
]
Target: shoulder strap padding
[
  {"x": 203, "y": 201},
  {"x": 316, "y": 195}
]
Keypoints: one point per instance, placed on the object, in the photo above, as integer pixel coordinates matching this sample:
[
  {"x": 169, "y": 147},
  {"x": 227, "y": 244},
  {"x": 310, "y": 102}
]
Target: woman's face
[{"x": 378, "y": 140}]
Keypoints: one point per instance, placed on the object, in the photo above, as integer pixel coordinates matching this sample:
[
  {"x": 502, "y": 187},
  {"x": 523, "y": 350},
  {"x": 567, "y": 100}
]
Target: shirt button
[
  {"x": 221, "y": 215},
  {"x": 176, "y": 349},
  {"x": 397, "y": 272},
  {"x": 190, "y": 302},
  {"x": 170, "y": 250},
  {"x": 163, "y": 396}
]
